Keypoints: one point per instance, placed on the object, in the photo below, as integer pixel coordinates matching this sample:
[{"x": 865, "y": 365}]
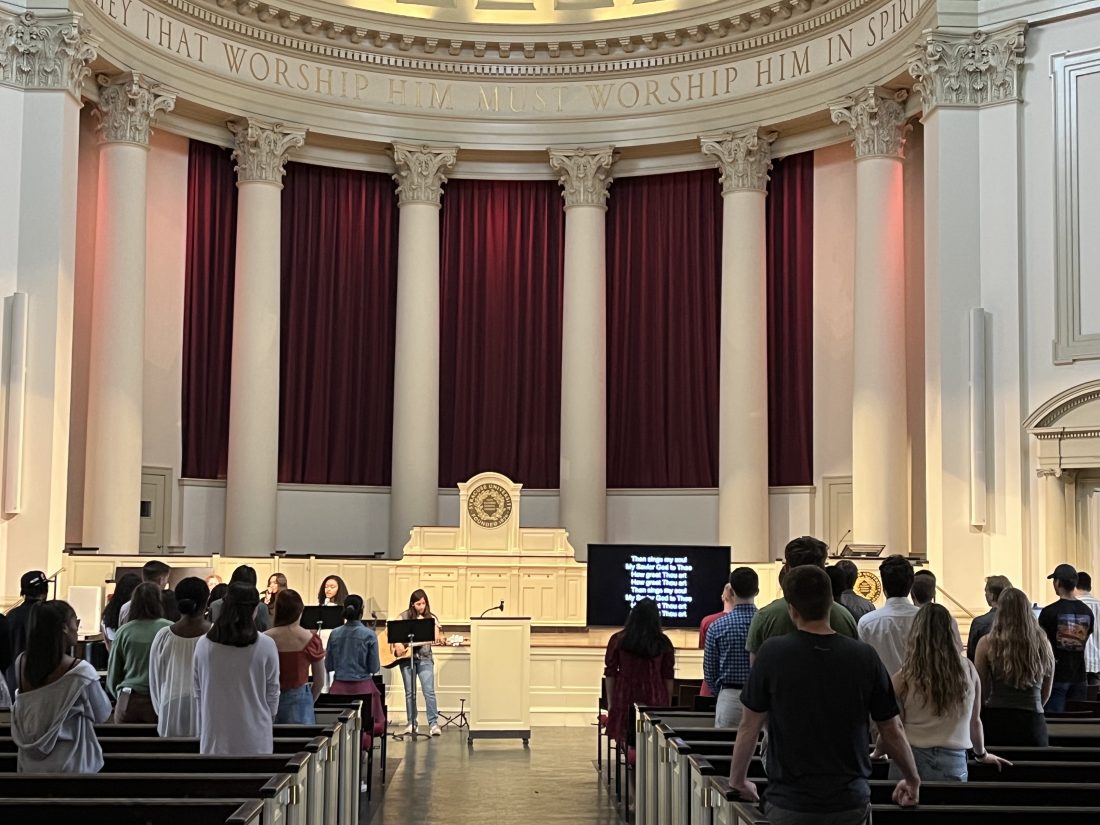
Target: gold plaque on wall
[
  {"x": 489, "y": 505},
  {"x": 868, "y": 586}
]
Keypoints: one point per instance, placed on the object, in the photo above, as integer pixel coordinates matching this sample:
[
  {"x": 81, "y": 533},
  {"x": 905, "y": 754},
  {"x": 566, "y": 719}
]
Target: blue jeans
[
  {"x": 936, "y": 765},
  {"x": 425, "y": 670},
  {"x": 1061, "y": 692},
  {"x": 296, "y": 706}
]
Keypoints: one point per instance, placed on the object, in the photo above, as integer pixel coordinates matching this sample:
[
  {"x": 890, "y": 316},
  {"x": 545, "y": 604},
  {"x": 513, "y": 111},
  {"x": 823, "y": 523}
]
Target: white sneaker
[
  {"x": 409, "y": 729},
  {"x": 434, "y": 730}
]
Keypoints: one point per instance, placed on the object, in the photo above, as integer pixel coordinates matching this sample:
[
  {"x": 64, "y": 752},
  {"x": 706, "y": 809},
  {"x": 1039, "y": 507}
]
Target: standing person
[
  {"x": 59, "y": 700},
  {"x": 818, "y": 761},
  {"x": 887, "y": 629},
  {"x": 941, "y": 701},
  {"x": 924, "y": 592},
  {"x": 1092, "y": 648},
  {"x": 154, "y": 572},
  {"x": 276, "y": 582},
  {"x": 172, "y": 662},
  {"x": 994, "y": 586},
  {"x": 639, "y": 666},
  {"x": 1069, "y": 624},
  {"x": 111, "y": 619},
  {"x": 236, "y": 679},
  {"x": 856, "y": 604},
  {"x": 128, "y": 665},
  {"x": 300, "y": 651},
  {"x": 704, "y": 626},
  {"x": 774, "y": 619},
  {"x": 352, "y": 657},
  {"x": 725, "y": 660},
  {"x": 244, "y": 575},
  {"x": 420, "y": 665},
  {"x": 332, "y": 592},
  {"x": 33, "y": 587},
  {"x": 1016, "y": 665}
]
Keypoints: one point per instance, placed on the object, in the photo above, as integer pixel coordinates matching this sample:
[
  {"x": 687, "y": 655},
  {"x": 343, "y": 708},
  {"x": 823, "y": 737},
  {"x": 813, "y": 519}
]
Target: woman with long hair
[
  {"x": 109, "y": 622},
  {"x": 1016, "y": 665},
  {"x": 59, "y": 701},
  {"x": 332, "y": 592},
  {"x": 639, "y": 666},
  {"x": 276, "y": 583},
  {"x": 300, "y": 651},
  {"x": 940, "y": 698},
  {"x": 236, "y": 679},
  {"x": 172, "y": 662},
  {"x": 419, "y": 665},
  {"x": 128, "y": 665}
]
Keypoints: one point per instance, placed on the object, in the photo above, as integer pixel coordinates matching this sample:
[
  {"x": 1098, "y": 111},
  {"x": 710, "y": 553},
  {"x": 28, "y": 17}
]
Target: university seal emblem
[
  {"x": 868, "y": 586},
  {"x": 489, "y": 505}
]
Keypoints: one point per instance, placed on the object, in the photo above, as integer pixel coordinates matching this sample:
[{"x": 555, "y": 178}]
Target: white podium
[{"x": 500, "y": 678}]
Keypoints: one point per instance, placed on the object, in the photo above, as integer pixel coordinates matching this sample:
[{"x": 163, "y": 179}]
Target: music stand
[
  {"x": 326, "y": 617},
  {"x": 415, "y": 630}
]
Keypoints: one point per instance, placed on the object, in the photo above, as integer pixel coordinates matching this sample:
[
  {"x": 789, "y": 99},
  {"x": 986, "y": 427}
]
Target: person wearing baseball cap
[
  {"x": 34, "y": 586},
  {"x": 1068, "y": 623}
]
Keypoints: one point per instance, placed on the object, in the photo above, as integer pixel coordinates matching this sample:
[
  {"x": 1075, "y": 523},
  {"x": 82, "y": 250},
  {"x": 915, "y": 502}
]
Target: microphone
[{"x": 499, "y": 607}]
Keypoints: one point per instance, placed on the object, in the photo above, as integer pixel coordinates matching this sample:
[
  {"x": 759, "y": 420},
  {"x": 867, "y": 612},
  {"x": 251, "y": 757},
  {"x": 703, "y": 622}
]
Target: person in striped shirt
[{"x": 725, "y": 659}]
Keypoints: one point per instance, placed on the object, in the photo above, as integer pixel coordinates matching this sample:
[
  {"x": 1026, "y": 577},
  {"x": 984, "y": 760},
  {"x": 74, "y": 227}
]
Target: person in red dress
[
  {"x": 639, "y": 667},
  {"x": 727, "y": 606}
]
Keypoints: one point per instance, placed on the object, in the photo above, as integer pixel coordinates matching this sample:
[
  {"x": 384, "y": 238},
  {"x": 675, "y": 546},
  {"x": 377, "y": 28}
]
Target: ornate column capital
[
  {"x": 421, "y": 172},
  {"x": 744, "y": 157},
  {"x": 877, "y": 119},
  {"x": 45, "y": 52},
  {"x": 969, "y": 68},
  {"x": 585, "y": 174},
  {"x": 260, "y": 149},
  {"x": 128, "y": 105}
]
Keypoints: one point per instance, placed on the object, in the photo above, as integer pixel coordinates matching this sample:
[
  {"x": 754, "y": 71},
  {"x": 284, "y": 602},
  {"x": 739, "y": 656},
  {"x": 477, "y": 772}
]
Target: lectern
[{"x": 500, "y": 678}]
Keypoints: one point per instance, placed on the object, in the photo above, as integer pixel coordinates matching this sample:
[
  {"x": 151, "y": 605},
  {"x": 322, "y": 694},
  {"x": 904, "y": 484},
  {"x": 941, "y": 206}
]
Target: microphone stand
[{"x": 499, "y": 607}]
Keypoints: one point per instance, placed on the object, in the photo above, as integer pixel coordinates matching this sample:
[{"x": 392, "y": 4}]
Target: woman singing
[
  {"x": 422, "y": 661},
  {"x": 332, "y": 592}
]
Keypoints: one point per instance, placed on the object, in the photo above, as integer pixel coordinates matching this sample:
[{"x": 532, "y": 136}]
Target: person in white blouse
[
  {"x": 236, "y": 679},
  {"x": 172, "y": 662}
]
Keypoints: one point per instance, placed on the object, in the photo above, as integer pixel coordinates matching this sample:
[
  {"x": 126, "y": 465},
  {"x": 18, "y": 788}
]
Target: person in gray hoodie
[{"x": 59, "y": 700}]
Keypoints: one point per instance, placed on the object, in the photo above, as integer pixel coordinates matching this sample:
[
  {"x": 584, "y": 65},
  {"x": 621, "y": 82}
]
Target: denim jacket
[{"x": 352, "y": 652}]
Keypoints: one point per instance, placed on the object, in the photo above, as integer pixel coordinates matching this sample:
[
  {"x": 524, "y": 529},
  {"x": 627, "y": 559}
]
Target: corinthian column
[
  {"x": 880, "y": 456},
  {"x": 128, "y": 104},
  {"x": 585, "y": 175},
  {"x": 260, "y": 150},
  {"x": 414, "y": 485},
  {"x": 744, "y": 158}
]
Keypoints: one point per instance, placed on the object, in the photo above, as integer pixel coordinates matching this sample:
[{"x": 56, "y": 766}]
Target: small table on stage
[{"x": 500, "y": 678}]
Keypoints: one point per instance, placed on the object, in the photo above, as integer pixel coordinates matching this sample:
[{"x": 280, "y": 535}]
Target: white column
[
  {"x": 414, "y": 483},
  {"x": 744, "y": 158},
  {"x": 880, "y": 451},
  {"x": 44, "y": 61},
  {"x": 252, "y": 473},
  {"x": 128, "y": 104},
  {"x": 585, "y": 175}
]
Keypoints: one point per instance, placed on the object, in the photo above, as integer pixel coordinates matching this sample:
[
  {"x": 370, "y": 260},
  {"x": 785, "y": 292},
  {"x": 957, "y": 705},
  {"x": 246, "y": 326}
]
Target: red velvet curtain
[
  {"x": 208, "y": 309},
  {"x": 790, "y": 251},
  {"x": 500, "y": 331},
  {"x": 339, "y": 293},
  {"x": 664, "y": 276}
]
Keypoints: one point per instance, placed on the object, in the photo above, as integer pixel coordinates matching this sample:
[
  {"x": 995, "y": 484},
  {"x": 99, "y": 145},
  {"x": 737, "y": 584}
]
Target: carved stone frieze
[
  {"x": 128, "y": 105},
  {"x": 585, "y": 174},
  {"x": 38, "y": 52},
  {"x": 968, "y": 69},
  {"x": 260, "y": 149},
  {"x": 877, "y": 119},
  {"x": 744, "y": 157},
  {"x": 421, "y": 172}
]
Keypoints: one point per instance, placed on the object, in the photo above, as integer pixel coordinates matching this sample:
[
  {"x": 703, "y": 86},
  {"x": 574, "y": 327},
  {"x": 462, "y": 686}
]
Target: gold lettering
[
  {"x": 281, "y": 69},
  {"x": 484, "y": 104},
  {"x": 652, "y": 95},
  {"x": 360, "y": 84},
  {"x": 634, "y": 88},
  {"x": 540, "y": 100},
  {"x": 512, "y": 100},
  {"x": 764, "y": 68},
  {"x": 327, "y": 82},
  {"x": 695, "y": 85},
  {"x": 234, "y": 56},
  {"x": 263, "y": 62}
]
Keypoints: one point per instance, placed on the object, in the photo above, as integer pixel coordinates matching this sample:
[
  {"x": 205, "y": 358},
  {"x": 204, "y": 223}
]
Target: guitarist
[{"x": 421, "y": 662}]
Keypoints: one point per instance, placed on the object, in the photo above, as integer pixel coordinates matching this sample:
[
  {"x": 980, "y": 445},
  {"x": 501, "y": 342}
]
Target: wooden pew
[
  {"x": 135, "y": 812},
  {"x": 646, "y": 719}
]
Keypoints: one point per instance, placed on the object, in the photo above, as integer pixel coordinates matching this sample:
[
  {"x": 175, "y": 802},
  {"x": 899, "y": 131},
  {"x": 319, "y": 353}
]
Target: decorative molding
[
  {"x": 260, "y": 149},
  {"x": 877, "y": 120},
  {"x": 128, "y": 105},
  {"x": 969, "y": 69},
  {"x": 46, "y": 53},
  {"x": 744, "y": 157},
  {"x": 584, "y": 174},
  {"x": 421, "y": 172}
]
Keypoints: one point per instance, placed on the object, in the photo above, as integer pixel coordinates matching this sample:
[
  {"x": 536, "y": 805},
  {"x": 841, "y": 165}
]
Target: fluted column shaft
[
  {"x": 880, "y": 454},
  {"x": 127, "y": 107},
  {"x": 744, "y": 158},
  {"x": 585, "y": 176},
  {"x": 252, "y": 473},
  {"x": 414, "y": 485}
]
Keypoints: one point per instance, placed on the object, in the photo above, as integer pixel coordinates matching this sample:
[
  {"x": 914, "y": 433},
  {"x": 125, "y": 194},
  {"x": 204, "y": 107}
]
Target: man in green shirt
[{"x": 774, "y": 620}]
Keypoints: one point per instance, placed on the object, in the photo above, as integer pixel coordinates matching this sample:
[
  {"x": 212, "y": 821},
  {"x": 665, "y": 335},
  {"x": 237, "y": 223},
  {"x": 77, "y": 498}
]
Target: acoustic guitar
[{"x": 386, "y": 655}]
